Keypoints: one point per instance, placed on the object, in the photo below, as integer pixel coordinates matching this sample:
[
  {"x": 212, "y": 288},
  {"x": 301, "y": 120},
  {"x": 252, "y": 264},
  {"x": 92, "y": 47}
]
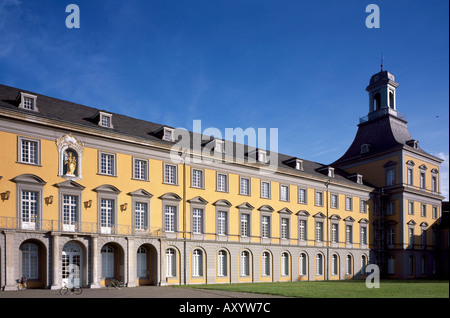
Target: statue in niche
[{"x": 71, "y": 164}]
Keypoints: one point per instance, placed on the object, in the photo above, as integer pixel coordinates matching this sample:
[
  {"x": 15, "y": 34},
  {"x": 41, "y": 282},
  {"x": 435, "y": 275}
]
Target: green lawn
[{"x": 342, "y": 289}]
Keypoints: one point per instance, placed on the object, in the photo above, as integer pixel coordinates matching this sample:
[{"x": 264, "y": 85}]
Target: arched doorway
[
  {"x": 146, "y": 265},
  {"x": 72, "y": 263}
]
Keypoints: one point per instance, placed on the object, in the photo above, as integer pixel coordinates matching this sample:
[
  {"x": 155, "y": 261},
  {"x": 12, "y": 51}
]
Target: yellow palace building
[{"x": 88, "y": 195}]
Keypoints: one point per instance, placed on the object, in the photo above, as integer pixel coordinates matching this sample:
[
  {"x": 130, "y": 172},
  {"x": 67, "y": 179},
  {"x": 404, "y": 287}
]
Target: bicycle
[
  {"x": 74, "y": 290},
  {"x": 22, "y": 283},
  {"x": 115, "y": 283}
]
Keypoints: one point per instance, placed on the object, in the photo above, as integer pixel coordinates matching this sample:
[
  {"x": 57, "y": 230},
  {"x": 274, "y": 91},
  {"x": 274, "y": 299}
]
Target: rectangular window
[
  {"x": 363, "y": 238},
  {"x": 265, "y": 226},
  {"x": 410, "y": 207},
  {"x": 28, "y": 103},
  {"x": 29, "y": 151},
  {"x": 170, "y": 174},
  {"x": 334, "y": 201},
  {"x": 348, "y": 234},
  {"x": 107, "y": 164},
  {"x": 302, "y": 230},
  {"x": 245, "y": 224},
  {"x": 301, "y": 195},
  {"x": 106, "y": 215},
  {"x": 222, "y": 182},
  {"x": 423, "y": 210},
  {"x": 284, "y": 228},
  {"x": 197, "y": 221},
  {"x": 284, "y": 193},
  {"x": 422, "y": 180},
  {"x": 265, "y": 190},
  {"x": 390, "y": 208},
  {"x": 435, "y": 213},
  {"x": 348, "y": 204},
  {"x": 410, "y": 177},
  {"x": 334, "y": 233},
  {"x": 390, "y": 177},
  {"x": 169, "y": 218},
  {"x": 244, "y": 186},
  {"x": 319, "y": 231},
  {"x": 363, "y": 206},
  {"x": 319, "y": 198},
  {"x": 197, "y": 178},
  {"x": 391, "y": 236},
  {"x": 222, "y": 223},
  {"x": 140, "y": 169},
  {"x": 434, "y": 183},
  {"x": 70, "y": 212},
  {"x": 140, "y": 216},
  {"x": 29, "y": 209}
]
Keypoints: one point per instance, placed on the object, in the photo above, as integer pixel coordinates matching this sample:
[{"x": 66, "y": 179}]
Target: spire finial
[{"x": 382, "y": 61}]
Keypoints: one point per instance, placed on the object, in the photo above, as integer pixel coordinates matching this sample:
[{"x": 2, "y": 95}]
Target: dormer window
[
  {"x": 28, "y": 101},
  {"x": 299, "y": 164},
  {"x": 330, "y": 172},
  {"x": 359, "y": 179},
  {"x": 168, "y": 134},
  {"x": 413, "y": 143},
  {"x": 365, "y": 148},
  {"x": 218, "y": 146},
  {"x": 296, "y": 163},
  {"x": 105, "y": 120},
  {"x": 262, "y": 156}
]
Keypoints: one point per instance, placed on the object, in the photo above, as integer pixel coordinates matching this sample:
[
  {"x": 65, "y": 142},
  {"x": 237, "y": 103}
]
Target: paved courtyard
[{"x": 135, "y": 292}]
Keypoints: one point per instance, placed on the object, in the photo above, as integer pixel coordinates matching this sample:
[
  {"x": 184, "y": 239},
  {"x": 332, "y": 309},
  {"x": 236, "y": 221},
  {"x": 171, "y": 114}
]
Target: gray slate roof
[{"x": 57, "y": 109}]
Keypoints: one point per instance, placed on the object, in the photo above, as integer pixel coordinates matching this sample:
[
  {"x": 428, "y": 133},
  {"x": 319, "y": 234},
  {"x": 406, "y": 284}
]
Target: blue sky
[{"x": 299, "y": 66}]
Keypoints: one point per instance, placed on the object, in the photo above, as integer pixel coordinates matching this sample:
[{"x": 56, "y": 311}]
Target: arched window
[
  {"x": 302, "y": 264},
  {"x": 265, "y": 264},
  {"x": 222, "y": 263},
  {"x": 319, "y": 265},
  {"x": 377, "y": 101},
  {"x": 348, "y": 266},
  {"x": 391, "y": 100},
  {"x": 30, "y": 261},
  {"x": 284, "y": 264},
  {"x": 170, "y": 262},
  {"x": 334, "y": 264},
  {"x": 363, "y": 264},
  {"x": 197, "y": 263},
  {"x": 245, "y": 263}
]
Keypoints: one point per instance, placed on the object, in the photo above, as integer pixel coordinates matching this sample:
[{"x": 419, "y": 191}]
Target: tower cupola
[{"x": 381, "y": 90}]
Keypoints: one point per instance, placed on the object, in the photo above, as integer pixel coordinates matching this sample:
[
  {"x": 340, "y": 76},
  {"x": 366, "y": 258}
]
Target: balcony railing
[{"x": 13, "y": 223}]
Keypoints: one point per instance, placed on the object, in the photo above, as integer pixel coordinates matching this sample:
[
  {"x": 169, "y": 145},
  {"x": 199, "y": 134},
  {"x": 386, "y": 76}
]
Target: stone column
[
  {"x": 95, "y": 283},
  {"x": 131, "y": 266},
  {"x": 56, "y": 276},
  {"x": 10, "y": 268}
]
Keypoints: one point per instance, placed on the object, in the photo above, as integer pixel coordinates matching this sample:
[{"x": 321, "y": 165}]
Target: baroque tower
[{"x": 407, "y": 200}]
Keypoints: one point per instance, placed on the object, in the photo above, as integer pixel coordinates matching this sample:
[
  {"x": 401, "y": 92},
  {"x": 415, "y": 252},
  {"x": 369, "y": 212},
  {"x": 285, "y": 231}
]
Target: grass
[{"x": 341, "y": 289}]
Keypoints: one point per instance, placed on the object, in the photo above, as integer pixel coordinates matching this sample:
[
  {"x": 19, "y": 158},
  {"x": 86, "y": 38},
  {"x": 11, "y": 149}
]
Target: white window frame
[
  {"x": 245, "y": 186},
  {"x": 140, "y": 169},
  {"x": 284, "y": 192},
  {"x": 265, "y": 189},
  {"x": 107, "y": 163},
  {"x": 170, "y": 174},
  {"x": 302, "y": 195},
  {"x": 24, "y": 98},
  {"x": 197, "y": 178},
  {"x": 23, "y": 141},
  {"x": 222, "y": 182}
]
